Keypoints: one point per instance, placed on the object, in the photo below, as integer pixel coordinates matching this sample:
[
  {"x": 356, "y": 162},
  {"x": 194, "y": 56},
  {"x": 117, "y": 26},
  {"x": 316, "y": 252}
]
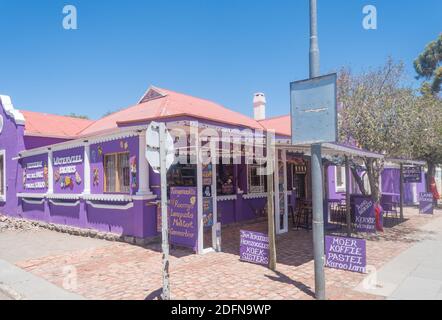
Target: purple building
[{"x": 94, "y": 174}]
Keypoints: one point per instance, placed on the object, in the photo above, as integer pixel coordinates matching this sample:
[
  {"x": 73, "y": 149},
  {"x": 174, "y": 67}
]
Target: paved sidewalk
[
  {"x": 414, "y": 274},
  {"x": 16, "y": 283}
]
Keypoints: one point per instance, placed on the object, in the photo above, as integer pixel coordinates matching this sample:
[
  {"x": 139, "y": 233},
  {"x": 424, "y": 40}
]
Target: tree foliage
[
  {"x": 375, "y": 114},
  {"x": 79, "y": 116},
  {"x": 428, "y": 66}
]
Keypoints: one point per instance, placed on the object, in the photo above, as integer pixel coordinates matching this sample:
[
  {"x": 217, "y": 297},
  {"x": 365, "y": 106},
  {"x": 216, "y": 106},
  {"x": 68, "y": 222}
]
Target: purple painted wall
[
  {"x": 97, "y": 153},
  {"x": 32, "y": 142},
  {"x": 11, "y": 141},
  {"x": 390, "y": 184}
]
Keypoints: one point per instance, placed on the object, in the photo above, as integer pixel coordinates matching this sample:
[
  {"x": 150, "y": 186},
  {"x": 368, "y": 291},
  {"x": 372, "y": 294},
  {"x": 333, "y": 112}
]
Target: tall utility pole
[
  {"x": 316, "y": 159},
  {"x": 164, "y": 219},
  {"x": 270, "y": 199}
]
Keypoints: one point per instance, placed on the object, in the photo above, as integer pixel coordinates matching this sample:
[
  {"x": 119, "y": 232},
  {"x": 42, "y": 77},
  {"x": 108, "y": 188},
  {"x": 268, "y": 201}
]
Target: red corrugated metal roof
[
  {"x": 157, "y": 103},
  {"x": 282, "y": 125},
  {"x": 51, "y": 125}
]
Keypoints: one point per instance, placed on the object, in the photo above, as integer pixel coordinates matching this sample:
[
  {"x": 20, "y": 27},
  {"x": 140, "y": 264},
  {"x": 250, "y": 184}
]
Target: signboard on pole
[
  {"x": 412, "y": 174},
  {"x": 183, "y": 228},
  {"x": 426, "y": 203},
  {"x": 314, "y": 110},
  {"x": 365, "y": 217},
  {"x": 348, "y": 254},
  {"x": 254, "y": 247}
]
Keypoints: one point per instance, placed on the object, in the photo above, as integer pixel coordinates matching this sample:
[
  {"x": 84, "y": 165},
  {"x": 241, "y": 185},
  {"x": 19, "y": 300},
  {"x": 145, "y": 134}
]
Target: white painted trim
[
  {"x": 110, "y": 206},
  {"x": 108, "y": 197},
  {"x": 11, "y": 111},
  {"x": 65, "y": 204},
  {"x": 87, "y": 169},
  {"x": 214, "y": 158},
  {"x": 33, "y": 201},
  {"x": 62, "y": 196},
  {"x": 3, "y": 196},
  {"x": 31, "y": 195},
  {"x": 254, "y": 196},
  {"x": 50, "y": 172},
  {"x": 276, "y": 192},
  {"x": 115, "y": 134},
  {"x": 227, "y": 198},
  {"x": 343, "y": 187},
  {"x": 199, "y": 184},
  {"x": 143, "y": 166}
]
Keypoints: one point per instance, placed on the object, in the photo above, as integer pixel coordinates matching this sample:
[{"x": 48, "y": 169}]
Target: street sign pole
[
  {"x": 160, "y": 155},
  {"x": 316, "y": 158},
  {"x": 164, "y": 220},
  {"x": 270, "y": 199}
]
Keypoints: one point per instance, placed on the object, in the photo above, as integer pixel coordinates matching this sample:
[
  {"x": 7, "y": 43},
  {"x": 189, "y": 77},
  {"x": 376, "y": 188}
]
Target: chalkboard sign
[
  {"x": 426, "y": 203},
  {"x": 412, "y": 174},
  {"x": 348, "y": 254},
  {"x": 254, "y": 247},
  {"x": 365, "y": 215}
]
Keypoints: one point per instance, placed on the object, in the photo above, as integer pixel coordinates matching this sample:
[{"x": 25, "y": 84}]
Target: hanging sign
[
  {"x": 365, "y": 217},
  {"x": 412, "y": 174},
  {"x": 426, "y": 204},
  {"x": 348, "y": 254},
  {"x": 254, "y": 247}
]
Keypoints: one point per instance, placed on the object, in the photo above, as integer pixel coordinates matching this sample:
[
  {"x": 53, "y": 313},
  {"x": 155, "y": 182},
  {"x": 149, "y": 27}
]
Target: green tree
[
  {"x": 374, "y": 114},
  {"x": 424, "y": 139},
  {"x": 428, "y": 66},
  {"x": 79, "y": 116}
]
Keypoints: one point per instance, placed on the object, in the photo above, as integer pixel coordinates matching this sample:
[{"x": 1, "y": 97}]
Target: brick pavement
[{"x": 123, "y": 271}]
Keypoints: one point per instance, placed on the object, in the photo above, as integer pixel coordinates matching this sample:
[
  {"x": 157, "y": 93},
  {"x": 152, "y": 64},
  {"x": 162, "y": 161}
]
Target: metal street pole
[
  {"x": 270, "y": 205},
  {"x": 164, "y": 220},
  {"x": 347, "y": 196},
  {"x": 316, "y": 158},
  {"x": 401, "y": 191}
]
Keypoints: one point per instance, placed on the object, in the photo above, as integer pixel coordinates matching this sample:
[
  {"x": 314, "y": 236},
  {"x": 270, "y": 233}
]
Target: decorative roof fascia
[{"x": 11, "y": 111}]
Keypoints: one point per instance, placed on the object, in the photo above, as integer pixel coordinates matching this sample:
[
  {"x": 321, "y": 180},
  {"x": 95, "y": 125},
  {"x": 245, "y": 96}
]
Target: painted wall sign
[
  {"x": 68, "y": 170},
  {"x": 254, "y": 247},
  {"x": 365, "y": 217},
  {"x": 183, "y": 224},
  {"x": 412, "y": 174},
  {"x": 348, "y": 254},
  {"x": 35, "y": 173},
  {"x": 426, "y": 204}
]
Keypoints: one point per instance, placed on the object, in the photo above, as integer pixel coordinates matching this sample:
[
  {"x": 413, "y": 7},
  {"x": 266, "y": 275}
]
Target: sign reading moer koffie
[
  {"x": 348, "y": 254},
  {"x": 412, "y": 174}
]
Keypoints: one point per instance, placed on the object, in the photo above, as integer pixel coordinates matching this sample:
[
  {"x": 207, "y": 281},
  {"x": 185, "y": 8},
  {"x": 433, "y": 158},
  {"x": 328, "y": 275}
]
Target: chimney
[{"x": 259, "y": 106}]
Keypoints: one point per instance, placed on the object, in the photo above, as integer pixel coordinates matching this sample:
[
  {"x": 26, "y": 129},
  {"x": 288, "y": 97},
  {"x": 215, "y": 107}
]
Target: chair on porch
[
  {"x": 389, "y": 205},
  {"x": 303, "y": 216}
]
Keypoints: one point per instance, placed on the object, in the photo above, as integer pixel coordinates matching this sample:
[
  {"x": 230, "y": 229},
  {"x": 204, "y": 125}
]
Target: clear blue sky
[{"x": 222, "y": 50}]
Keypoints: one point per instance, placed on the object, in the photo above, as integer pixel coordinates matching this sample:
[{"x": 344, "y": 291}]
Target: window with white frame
[
  {"x": 2, "y": 175},
  {"x": 256, "y": 180},
  {"x": 117, "y": 173},
  {"x": 340, "y": 179}
]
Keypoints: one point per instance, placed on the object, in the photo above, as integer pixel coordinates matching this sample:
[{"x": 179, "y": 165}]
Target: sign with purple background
[
  {"x": 35, "y": 173},
  {"x": 348, "y": 254},
  {"x": 426, "y": 203},
  {"x": 365, "y": 218},
  {"x": 68, "y": 170},
  {"x": 412, "y": 174},
  {"x": 254, "y": 247},
  {"x": 183, "y": 226}
]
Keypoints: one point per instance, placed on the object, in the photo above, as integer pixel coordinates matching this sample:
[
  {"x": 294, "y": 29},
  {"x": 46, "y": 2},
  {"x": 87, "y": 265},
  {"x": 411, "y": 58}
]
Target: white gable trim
[
  {"x": 145, "y": 97},
  {"x": 11, "y": 111}
]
